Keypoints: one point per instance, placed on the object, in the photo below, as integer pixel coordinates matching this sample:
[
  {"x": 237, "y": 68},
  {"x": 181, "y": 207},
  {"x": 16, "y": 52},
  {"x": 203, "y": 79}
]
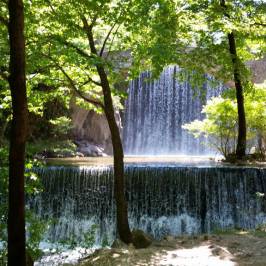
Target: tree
[
  {"x": 75, "y": 43},
  {"x": 242, "y": 128},
  {"x": 121, "y": 204},
  {"x": 17, "y": 82}
]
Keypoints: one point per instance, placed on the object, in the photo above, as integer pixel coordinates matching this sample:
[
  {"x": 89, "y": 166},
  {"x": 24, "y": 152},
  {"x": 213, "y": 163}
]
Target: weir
[
  {"x": 156, "y": 110},
  {"x": 163, "y": 200}
]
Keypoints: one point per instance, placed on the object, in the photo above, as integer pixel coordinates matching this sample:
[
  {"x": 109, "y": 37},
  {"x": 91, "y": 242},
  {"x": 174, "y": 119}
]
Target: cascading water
[
  {"x": 156, "y": 110},
  {"x": 163, "y": 200}
]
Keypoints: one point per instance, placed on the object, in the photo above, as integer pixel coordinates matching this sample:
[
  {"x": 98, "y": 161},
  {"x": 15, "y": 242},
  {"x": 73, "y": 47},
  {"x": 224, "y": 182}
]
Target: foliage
[
  {"x": 220, "y": 124},
  {"x": 34, "y": 226},
  {"x": 59, "y": 147},
  {"x": 89, "y": 237},
  {"x": 62, "y": 126},
  {"x": 193, "y": 35},
  {"x": 190, "y": 33}
]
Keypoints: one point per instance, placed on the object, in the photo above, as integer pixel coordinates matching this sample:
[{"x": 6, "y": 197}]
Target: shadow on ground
[{"x": 221, "y": 249}]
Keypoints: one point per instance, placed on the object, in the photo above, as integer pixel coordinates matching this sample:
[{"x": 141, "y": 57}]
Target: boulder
[
  {"x": 89, "y": 149},
  {"x": 140, "y": 239},
  {"x": 119, "y": 244}
]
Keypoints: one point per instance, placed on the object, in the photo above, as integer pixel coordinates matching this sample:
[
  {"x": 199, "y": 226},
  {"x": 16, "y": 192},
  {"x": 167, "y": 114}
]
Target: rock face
[
  {"x": 91, "y": 131},
  {"x": 258, "y": 69}
]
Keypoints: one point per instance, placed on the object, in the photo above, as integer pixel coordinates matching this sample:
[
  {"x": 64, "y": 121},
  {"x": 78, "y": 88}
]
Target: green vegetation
[
  {"x": 74, "y": 53},
  {"x": 34, "y": 226},
  {"x": 220, "y": 124},
  {"x": 51, "y": 148},
  {"x": 61, "y": 69}
]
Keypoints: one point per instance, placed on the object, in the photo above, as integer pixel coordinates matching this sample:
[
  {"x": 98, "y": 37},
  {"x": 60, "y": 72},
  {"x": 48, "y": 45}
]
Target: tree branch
[
  {"x": 106, "y": 39},
  {"x": 51, "y": 6},
  {"x": 258, "y": 24},
  {"x": 88, "y": 30},
  {"x": 73, "y": 86},
  {"x": 72, "y": 83},
  {"x": 112, "y": 40},
  {"x": 93, "y": 81},
  {"x": 72, "y": 45}
]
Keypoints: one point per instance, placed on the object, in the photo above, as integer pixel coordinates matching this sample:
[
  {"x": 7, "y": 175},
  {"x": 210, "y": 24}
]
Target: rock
[
  {"x": 205, "y": 237},
  {"x": 182, "y": 242},
  {"x": 243, "y": 254},
  {"x": 169, "y": 238},
  {"x": 93, "y": 127},
  {"x": 140, "y": 239},
  {"x": 221, "y": 252},
  {"x": 89, "y": 149},
  {"x": 118, "y": 244},
  {"x": 216, "y": 251},
  {"x": 216, "y": 238},
  {"x": 233, "y": 244}
]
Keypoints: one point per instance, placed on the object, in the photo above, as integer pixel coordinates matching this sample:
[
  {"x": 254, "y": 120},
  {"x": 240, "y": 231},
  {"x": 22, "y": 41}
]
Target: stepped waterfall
[
  {"x": 163, "y": 200},
  {"x": 156, "y": 110}
]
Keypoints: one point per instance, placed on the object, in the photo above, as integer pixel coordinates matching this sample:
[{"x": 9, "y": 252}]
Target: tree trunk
[
  {"x": 242, "y": 130},
  {"x": 241, "y": 139},
  {"x": 17, "y": 82},
  {"x": 119, "y": 182}
]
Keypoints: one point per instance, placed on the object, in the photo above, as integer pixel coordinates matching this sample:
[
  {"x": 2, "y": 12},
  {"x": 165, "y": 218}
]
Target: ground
[{"x": 221, "y": 249}]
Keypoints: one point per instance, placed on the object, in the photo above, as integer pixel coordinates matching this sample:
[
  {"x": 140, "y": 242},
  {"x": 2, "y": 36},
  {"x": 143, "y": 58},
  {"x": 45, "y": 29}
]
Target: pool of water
[{"x": 182, "y": 160}]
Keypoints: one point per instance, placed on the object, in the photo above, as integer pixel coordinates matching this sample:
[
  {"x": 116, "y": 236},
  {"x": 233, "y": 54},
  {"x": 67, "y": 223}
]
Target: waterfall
[
  {"x": 156, "y": 110},
  {"x": 162, "y": 200}
]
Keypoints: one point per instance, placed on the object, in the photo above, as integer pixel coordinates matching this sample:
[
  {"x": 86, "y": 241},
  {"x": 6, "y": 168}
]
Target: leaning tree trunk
[
  {"x": 242, "y": 129},
  {"x": 119, "y": 182},
  {"x": 121, "y": 203},
  {"x": 17, "y": 82}
]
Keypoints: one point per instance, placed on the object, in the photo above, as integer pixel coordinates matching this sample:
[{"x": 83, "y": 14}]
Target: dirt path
[{"x": 230, "y": 249}]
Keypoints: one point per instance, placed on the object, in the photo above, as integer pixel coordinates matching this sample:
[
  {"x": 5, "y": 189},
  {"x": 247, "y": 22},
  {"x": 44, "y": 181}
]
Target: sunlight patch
[{"x": 197, "y": 256}]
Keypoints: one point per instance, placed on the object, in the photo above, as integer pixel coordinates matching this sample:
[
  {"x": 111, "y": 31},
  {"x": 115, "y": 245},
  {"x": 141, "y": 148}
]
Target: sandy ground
[{"x": 230, "y": 249}]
